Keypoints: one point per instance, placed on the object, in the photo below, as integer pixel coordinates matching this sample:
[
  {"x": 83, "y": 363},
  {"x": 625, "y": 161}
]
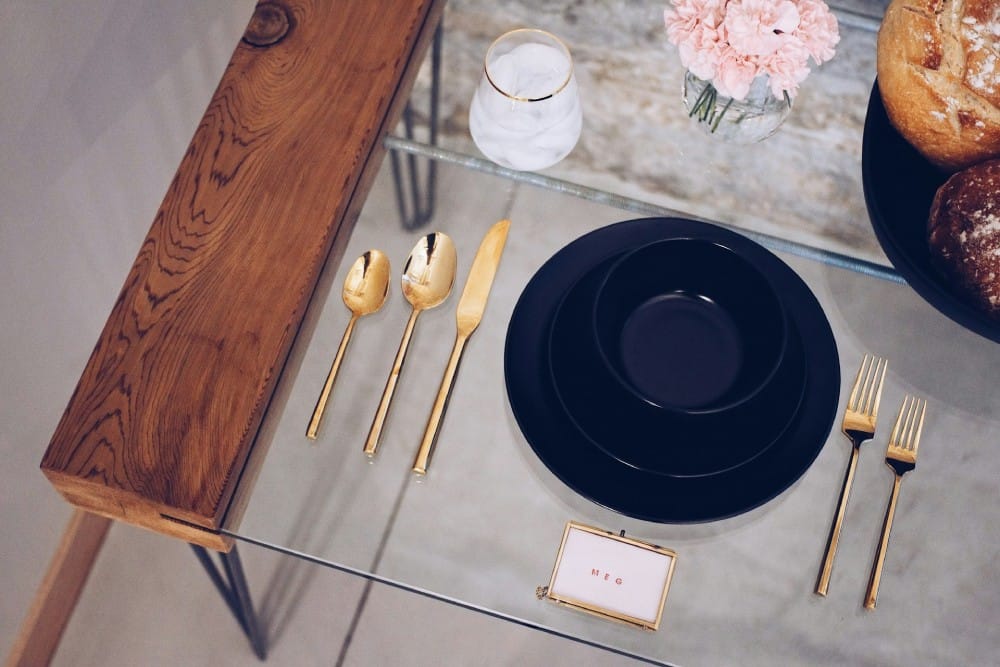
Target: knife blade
[{"x": 470, "y": 311}]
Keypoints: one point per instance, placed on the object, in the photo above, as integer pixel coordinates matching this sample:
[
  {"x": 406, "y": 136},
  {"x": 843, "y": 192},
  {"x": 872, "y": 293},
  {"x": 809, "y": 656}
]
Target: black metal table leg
[
  {"x": 235, "y": 593},
  {"x": 420, "y": 208}
]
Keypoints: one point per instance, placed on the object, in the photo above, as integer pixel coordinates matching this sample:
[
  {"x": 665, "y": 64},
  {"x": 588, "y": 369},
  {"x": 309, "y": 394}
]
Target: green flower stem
[
  {"x": 710, "y": 105},
  {"x": 701, "y": 103},
  {"x": 715, "y": 125},
  {"x": 705, "y": 107}
]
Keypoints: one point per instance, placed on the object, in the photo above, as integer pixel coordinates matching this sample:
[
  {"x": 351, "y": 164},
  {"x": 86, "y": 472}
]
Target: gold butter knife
[{"x": 470, "y": 313}]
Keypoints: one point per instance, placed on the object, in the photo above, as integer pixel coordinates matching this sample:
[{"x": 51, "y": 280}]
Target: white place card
[{"x": 611, "y": 575}]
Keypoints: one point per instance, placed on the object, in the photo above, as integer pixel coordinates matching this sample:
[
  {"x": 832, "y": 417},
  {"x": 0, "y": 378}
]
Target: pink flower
[
  {"x": 731, "y": 42},
  {"x": 735, "y": 74},
  {"x": 818, "y": 29},
  {"x": 760, "y": 27},
  {"x": 694, "y": 26},
  {"x": 787, "y": 67},
  {"x": 689, "y": 16},
  {"x": 701, "y": 51}
]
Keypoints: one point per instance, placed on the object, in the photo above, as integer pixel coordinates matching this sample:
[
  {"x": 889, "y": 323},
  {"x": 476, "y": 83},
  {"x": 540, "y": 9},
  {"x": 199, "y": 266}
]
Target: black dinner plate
[
  {"x": 604, "y": 479},
  {"x": 643, "y": 435},
  {"x": 899, "y": 186}
]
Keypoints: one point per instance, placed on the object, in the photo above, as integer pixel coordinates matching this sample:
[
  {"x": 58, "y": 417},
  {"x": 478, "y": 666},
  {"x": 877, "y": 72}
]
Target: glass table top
[{"x": 483, "y": 528}]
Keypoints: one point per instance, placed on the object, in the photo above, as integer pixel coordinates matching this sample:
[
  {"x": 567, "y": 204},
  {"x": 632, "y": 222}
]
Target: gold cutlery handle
[
  {"x": 324, "y": 395},
  {"x": 876, "y": 576},
  {"x": 375, "y": 433},
  {"x": 422, "y": 461},
  {"x": 826, "y": 569}
]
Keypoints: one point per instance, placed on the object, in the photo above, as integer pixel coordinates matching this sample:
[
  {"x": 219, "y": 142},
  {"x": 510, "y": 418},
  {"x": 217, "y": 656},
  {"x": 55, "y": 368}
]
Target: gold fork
[
  {"x": 901, "y": 457},
  {"x": 859, "y": 425}
]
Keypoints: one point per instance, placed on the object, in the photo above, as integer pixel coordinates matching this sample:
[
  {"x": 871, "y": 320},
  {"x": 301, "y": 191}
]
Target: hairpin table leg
[
  {"x": 421, "y": 204},
  {"x": 235, "y": 593}
]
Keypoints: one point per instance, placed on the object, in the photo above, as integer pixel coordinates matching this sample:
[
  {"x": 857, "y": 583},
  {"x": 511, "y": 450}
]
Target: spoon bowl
[
  {"x": 365, "y": 290},
  {"x": 429, "y": 272},
  {"x": 367, "y": 283}
]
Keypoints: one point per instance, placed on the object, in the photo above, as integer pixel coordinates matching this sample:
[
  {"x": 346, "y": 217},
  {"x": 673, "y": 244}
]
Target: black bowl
[
  {"x": 644, "y": 436},
  {"x": 690, "y": 326}
]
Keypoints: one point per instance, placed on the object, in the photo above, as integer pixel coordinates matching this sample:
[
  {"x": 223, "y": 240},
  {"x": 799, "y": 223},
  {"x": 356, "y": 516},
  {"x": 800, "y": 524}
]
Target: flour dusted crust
[
  {"x": 964, "y": 234},
  {"x": 939, "y": 75}
]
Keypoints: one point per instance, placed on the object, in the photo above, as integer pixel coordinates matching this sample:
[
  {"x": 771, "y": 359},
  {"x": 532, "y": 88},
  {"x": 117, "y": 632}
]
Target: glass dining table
[{"x": 482, "y": 529}]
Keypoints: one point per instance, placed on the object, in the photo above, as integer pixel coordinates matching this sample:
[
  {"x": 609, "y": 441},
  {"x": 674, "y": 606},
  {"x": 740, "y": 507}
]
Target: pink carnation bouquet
[{"x": 729, "y": 43}]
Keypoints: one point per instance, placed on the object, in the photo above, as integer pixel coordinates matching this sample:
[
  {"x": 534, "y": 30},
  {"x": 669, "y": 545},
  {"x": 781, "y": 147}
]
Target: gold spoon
[
  {"x": 365, "y": 290},
  {"x": 427, "y": 279}
]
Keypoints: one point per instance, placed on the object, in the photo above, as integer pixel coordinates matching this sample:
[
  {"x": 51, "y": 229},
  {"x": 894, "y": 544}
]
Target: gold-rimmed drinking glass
[{"x": 526, "y": 113}]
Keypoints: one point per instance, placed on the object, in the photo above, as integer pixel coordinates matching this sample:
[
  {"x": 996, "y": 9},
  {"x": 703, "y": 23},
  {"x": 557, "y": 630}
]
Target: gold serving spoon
[
  {"x": 365, "y": 289},
  {"x": 427, "y": 279}
]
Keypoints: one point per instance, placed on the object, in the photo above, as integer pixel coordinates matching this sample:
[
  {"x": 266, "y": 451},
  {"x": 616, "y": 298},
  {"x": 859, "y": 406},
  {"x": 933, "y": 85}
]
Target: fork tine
[
  {"x": 894, "y": 438},
  {"x": 867, "y": 387},
  {"x": 920, "y": 426},
  {"x": 897, "y": 437},
  {"x": 871, "y": 384},
  {"x": 852, "y": 400},
  {"x": 914, "y": 423},
  {"x": 911, "y": 436},
  {"x": 907, "y": 435},
  {"x": 878, "y": 390}
]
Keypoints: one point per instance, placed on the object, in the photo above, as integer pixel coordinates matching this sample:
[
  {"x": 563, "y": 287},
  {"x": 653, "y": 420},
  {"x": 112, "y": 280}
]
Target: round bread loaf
[
  {"x": 964, "y": 234},
  {"x": 939, "y": 74}
]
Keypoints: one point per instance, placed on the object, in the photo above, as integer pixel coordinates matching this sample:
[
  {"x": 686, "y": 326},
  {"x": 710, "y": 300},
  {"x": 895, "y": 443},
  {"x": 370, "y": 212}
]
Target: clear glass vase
[{"x": 740, "y": 121}]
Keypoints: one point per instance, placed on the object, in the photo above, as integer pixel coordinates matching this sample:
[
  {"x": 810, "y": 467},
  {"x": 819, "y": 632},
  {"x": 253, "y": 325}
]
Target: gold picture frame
[{"x": 558, "y": 591}]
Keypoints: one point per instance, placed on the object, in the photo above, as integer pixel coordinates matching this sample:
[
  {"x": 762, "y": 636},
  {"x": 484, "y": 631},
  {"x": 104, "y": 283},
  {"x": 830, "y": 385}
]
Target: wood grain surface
[{"x": 165, "y": 414}]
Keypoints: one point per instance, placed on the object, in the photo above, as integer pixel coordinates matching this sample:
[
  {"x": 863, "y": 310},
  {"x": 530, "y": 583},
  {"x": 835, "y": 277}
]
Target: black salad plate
[
  {"x": 899, "y": 186},
  {"x": 609, "y": 482}
]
